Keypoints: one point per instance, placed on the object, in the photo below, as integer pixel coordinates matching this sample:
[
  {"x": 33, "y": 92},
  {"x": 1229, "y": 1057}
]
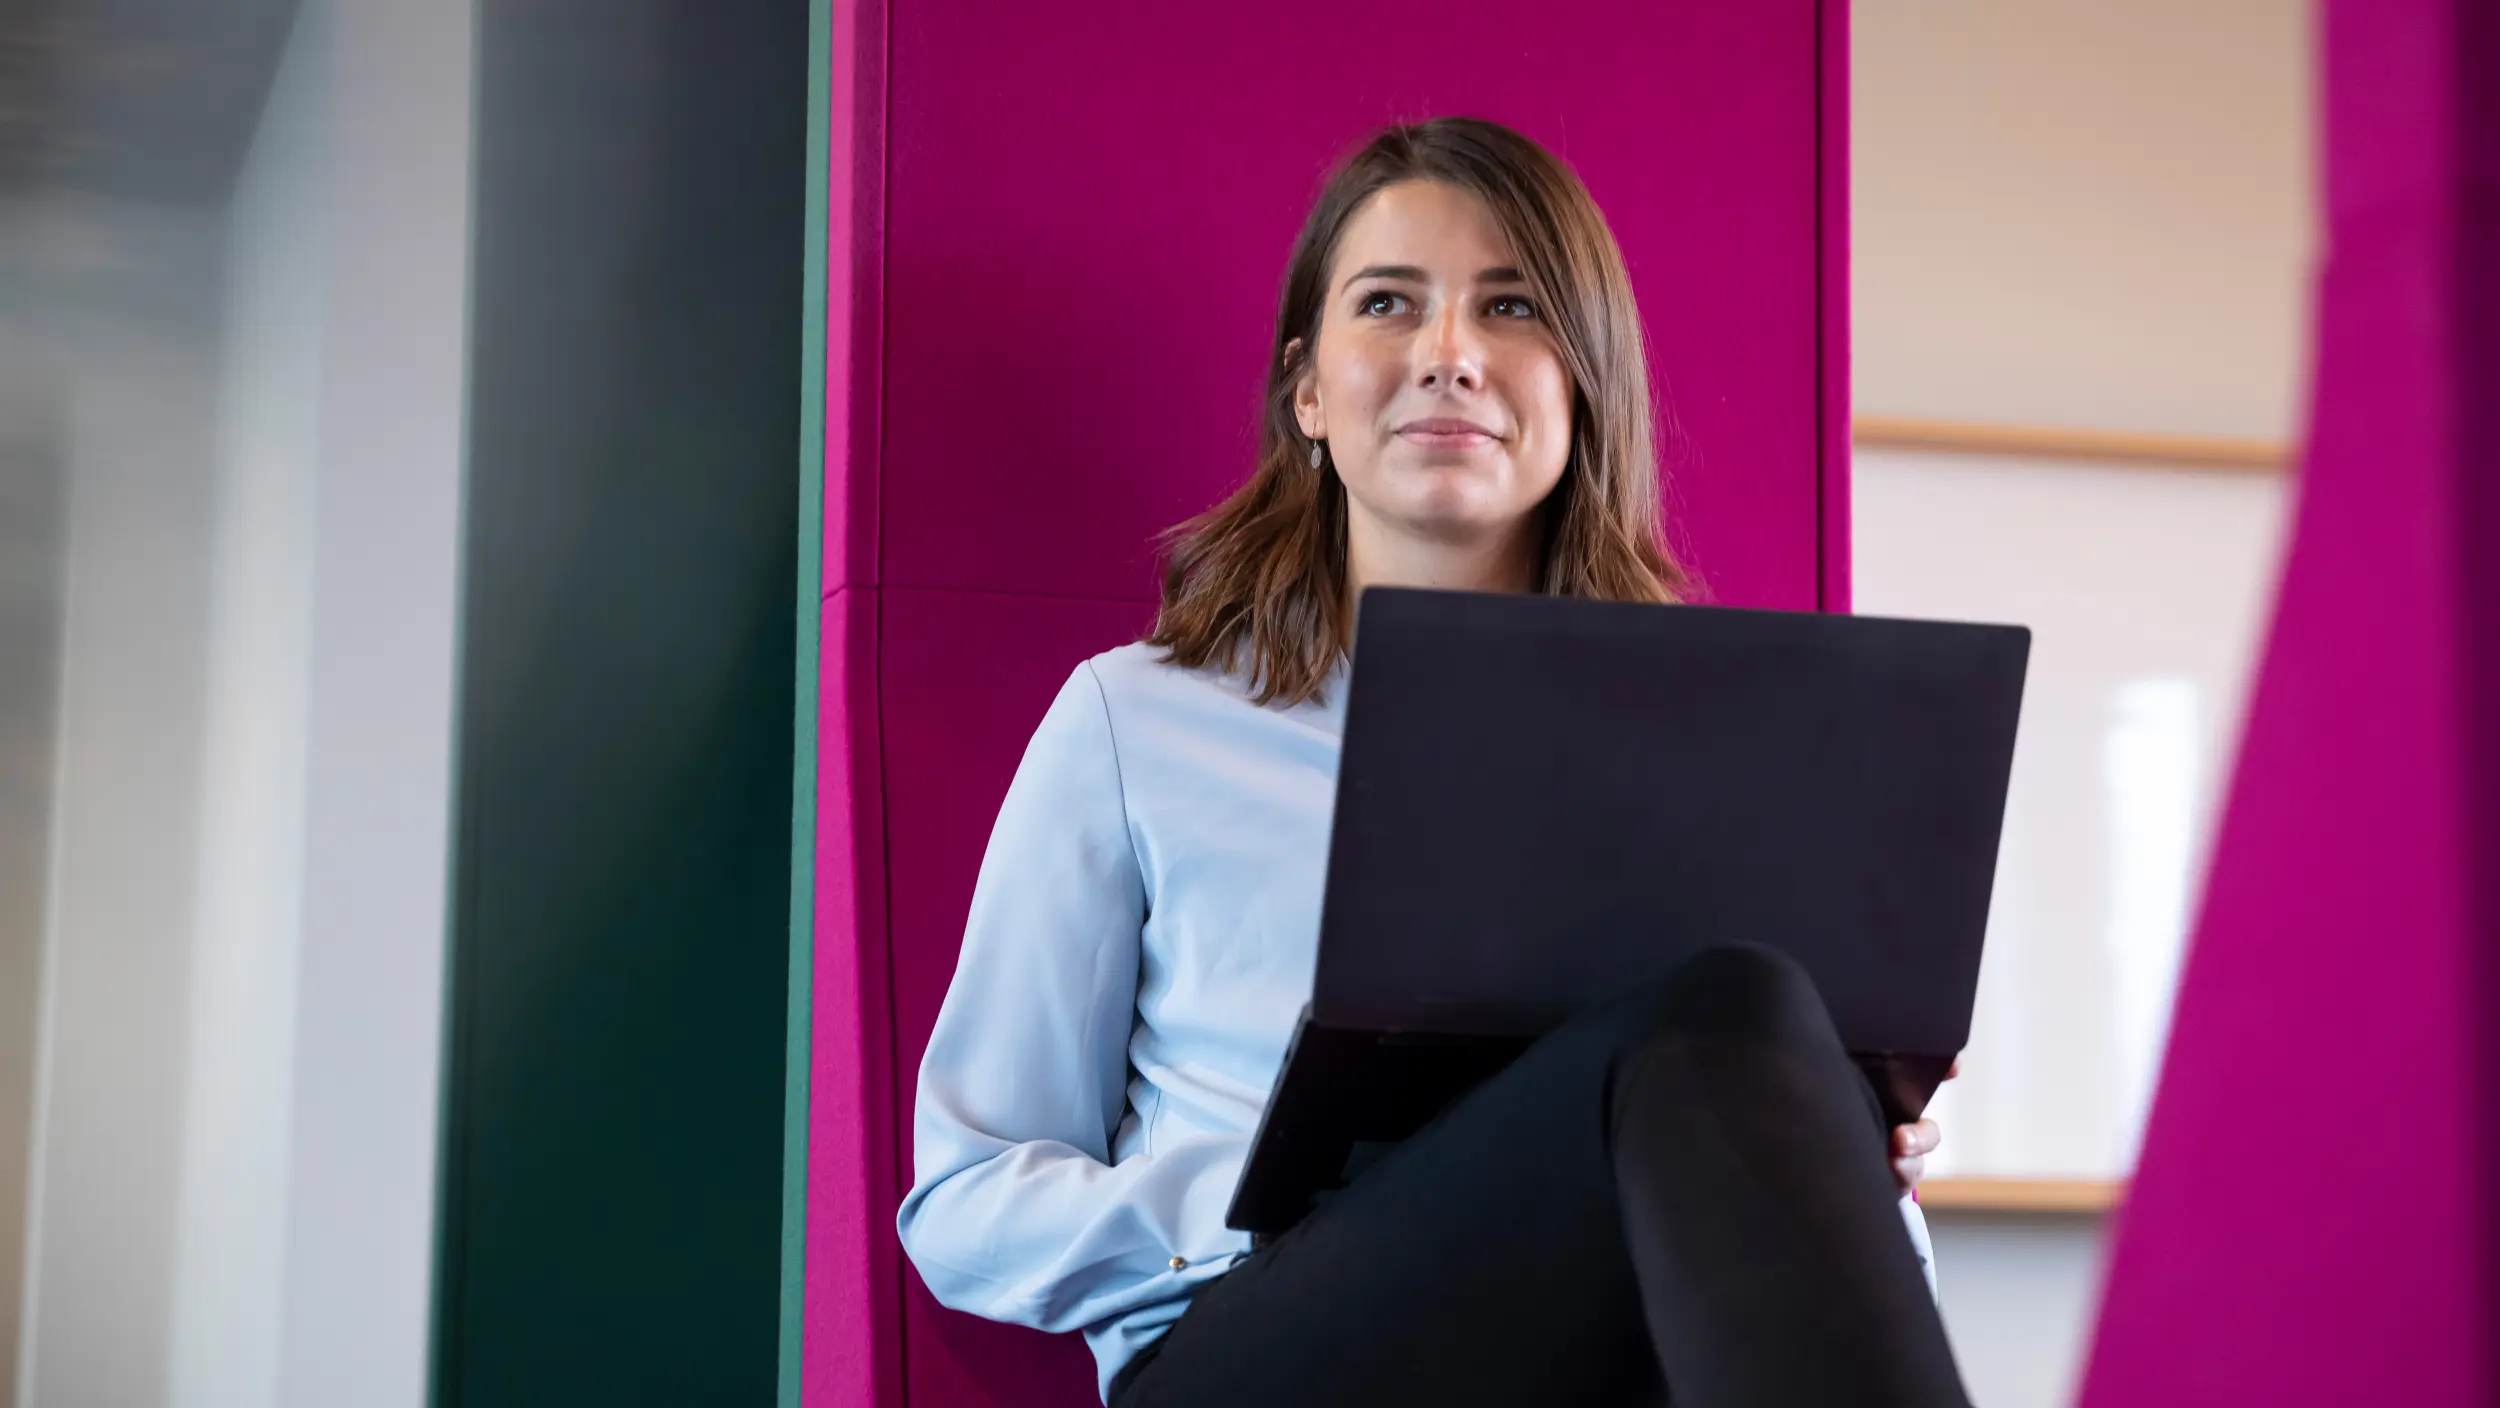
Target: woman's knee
[{"x": 1741, "y": 992}]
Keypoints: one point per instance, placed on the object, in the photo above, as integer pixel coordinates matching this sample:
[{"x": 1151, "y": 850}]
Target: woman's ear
[{"x": 1306, "y": 412}]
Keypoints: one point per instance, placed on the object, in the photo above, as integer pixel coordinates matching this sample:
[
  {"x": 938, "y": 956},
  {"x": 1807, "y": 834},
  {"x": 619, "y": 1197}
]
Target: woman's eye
[
  {"x": 1512, "y": 307},
  {"x": 1382, "y": 305}
]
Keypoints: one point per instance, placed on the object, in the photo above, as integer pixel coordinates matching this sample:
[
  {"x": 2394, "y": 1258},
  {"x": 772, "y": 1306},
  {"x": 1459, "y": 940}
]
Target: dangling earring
[{"x": 1319, "y": 453}]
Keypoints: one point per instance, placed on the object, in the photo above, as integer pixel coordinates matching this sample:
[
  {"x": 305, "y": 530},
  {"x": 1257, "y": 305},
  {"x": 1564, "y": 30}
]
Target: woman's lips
[{"x": 1446, "y": 434}]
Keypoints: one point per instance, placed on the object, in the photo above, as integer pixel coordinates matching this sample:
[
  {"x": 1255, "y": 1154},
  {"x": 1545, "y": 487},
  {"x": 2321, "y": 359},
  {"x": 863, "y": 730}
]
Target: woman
[{"x": 1685, "y": 1190}]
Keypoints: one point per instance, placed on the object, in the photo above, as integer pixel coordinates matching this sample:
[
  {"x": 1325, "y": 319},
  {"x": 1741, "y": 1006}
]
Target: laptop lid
[{"x": 1542, "y": 801}]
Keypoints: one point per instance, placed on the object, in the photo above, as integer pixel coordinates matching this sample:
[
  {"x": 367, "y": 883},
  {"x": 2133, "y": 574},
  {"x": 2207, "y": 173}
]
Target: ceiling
[{"x": 147, "y": 100}]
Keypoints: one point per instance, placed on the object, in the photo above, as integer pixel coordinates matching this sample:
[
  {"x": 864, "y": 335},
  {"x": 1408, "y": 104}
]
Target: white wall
[
  {"x": 242, "y": 973},
  {"x": 248, "y": 873},
  {"x": 2146, "y": 590},
  {"x": 360, "y": 1186},
  {"x": 2073, "y": 215}
]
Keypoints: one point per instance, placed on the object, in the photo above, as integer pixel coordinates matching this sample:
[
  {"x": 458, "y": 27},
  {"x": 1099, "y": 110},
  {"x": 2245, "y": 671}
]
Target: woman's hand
[{"x": 1912, "y": 1143}]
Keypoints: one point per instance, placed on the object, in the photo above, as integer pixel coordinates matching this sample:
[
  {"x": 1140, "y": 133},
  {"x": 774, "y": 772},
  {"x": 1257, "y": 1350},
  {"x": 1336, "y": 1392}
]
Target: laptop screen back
[{"x": 1543, "y": 801}]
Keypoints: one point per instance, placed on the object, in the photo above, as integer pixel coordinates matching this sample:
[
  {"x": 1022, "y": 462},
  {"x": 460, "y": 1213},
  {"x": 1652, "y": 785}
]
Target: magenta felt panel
[
  {"x": 854, "y": 1334},
  {"x": 1054, "y": 239},
  {"x": 966, "y": 677},
  {"x": 854, "y": 256},
  {"x": 1833, "y": 356},
  {"x": 960, "y": 1361},
  {"x": 2310, "y": 1223},
  {"x": 1088, "y": 210}
]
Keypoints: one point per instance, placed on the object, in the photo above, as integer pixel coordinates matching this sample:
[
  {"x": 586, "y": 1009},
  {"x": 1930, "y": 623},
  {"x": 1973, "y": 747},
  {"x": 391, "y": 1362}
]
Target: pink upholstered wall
[
  {"x": 2314, "y": 1217},
  {"x": 1057, "y": 233}
]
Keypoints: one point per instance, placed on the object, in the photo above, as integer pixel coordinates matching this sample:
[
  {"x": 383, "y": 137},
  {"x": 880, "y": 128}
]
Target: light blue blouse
[{"x": 1141, "y": 940}]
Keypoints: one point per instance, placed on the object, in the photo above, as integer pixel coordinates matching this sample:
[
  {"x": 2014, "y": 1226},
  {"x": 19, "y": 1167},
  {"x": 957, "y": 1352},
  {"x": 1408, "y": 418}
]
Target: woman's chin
[
  {"x": 1455, "y": 523},
  {"x": 1463, "y": 497}
]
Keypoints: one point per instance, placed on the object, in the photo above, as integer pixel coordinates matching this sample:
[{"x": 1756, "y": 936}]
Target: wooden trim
[
  {"x": 2196, "y": 452},
  {"x": 2071, "y": 1195}
]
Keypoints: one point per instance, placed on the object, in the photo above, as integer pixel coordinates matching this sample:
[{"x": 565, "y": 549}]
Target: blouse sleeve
[
  {"x": 1915, "y": 1219},
  {"x": 1017, "y": 1212}
]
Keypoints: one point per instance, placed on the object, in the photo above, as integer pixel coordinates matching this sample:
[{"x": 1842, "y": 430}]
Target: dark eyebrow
[{"x": 1408, "y": 273}]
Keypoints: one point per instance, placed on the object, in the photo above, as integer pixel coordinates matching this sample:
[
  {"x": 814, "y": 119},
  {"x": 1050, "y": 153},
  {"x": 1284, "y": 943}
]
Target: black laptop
[{"x": 1542, "y": 802}]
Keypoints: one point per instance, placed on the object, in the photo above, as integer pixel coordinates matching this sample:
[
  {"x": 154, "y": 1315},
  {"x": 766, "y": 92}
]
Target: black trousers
[{"x": 1683, "y": 1196}]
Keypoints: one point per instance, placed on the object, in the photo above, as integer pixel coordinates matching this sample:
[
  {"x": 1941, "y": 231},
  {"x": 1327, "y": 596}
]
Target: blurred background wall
[
  {"x": 235, "y": 249},
  {"x": 110, "y": 339},
  {"x": 2077, "y": 218},
  {"x": 240, "y": 485}
]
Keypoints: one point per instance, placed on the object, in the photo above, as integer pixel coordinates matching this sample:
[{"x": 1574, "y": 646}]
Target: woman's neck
[{"x": 1496, "y": 563}]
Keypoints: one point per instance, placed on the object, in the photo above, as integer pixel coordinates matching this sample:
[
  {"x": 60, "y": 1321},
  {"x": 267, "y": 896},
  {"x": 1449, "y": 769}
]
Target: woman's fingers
[{"x": 1911, "y": 1144}]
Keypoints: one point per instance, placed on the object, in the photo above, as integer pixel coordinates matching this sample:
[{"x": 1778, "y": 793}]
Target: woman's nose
[{"x": 1449, "y": 357}]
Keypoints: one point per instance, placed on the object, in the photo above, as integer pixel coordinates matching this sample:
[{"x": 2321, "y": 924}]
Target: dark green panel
[{"x": 613, "y": 1157}]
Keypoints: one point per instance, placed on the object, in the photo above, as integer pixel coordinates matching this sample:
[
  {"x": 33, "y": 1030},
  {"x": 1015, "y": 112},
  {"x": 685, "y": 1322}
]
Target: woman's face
[{"x": 1435, "y": 380}]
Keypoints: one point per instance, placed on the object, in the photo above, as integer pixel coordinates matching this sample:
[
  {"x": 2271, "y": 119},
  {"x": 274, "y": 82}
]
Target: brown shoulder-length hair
[{"x": 1263, "y": 574}]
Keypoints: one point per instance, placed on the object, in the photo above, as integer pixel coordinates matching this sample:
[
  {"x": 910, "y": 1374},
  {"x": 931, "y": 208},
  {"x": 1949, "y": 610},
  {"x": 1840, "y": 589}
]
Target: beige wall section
[{"x": 2081, "y": 214}]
